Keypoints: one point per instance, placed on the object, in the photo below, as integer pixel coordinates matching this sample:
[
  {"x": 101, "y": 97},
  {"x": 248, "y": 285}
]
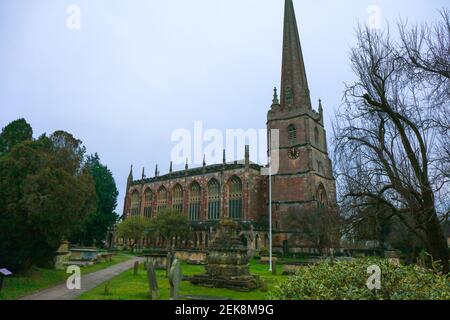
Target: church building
[{"x": 237, "y": 189}]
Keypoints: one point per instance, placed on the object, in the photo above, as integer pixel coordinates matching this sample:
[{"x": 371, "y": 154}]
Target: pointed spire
[
  {"x": 130, "y": 175},
  {"x": 275, "y": 97},
  {"x": 294, "y": 84},
  {"x": 143, "y": 173},
  {"x": 186, "y": 166},
  {"x": 156, "y": 170},
  {"x": 224, "y": 160},
  {"x": 171, "y": 167},
  {"x": 204, "y": 160},
  {"x": 247, "y": 155},
  {"x": 320, "y": 112}
]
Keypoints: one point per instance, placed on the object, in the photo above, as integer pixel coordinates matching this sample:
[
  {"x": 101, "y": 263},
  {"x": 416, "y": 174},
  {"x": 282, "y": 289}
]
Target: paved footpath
[{"x": 88, "y": 282}]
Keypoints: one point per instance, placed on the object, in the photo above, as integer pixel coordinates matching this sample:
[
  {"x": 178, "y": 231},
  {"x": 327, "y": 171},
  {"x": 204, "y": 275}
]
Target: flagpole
[{"x": 270, "y": 201}]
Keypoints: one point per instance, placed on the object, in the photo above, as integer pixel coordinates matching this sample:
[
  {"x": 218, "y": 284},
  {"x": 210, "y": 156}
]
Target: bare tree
[
  {"x": 387, "y": 134},
  {"x": 425, "y": 50},
  {"x": 318, "y": 228}
]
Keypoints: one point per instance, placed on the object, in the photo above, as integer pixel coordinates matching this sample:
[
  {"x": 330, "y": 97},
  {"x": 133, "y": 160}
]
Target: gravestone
[
  {"x": 4, "y": 273},
  {"x": 274, "y": 267},
  {"x": 175, "y": 277},
  {"x": 136, "y": 268},
  {"x": 152, "y": 281},
  {"x": 170, "y": 260}
]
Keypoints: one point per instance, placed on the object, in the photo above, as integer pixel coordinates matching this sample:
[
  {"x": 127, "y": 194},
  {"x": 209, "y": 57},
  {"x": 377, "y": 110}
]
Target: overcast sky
[{"x": 139, "y": 69}]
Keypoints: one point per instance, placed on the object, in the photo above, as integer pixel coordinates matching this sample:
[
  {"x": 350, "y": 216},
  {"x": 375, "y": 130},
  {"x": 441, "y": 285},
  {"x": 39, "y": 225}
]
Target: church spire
[
  {"x": 130, "y": 177},
  {"x": 294, "y": 84}
]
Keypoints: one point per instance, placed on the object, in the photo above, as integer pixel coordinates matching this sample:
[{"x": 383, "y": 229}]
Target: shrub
[{"x": 346, "y": 280}]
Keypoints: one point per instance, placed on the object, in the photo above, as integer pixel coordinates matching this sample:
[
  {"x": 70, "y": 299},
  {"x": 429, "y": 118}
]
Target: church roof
[{"x": 199, "y": 171}]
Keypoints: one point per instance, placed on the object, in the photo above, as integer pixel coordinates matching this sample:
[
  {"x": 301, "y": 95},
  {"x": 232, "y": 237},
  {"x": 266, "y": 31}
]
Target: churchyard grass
[
  {"x": 38, "y": 278},
  {"x": 126, "y": 286}
]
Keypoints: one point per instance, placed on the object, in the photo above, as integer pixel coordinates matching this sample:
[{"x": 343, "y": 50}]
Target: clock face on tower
[{"x": 293, "y": 153}]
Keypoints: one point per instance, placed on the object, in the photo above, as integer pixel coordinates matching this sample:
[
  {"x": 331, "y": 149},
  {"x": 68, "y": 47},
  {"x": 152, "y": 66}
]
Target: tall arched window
[
  {"x": 316, "y": 135},
  {"x": 322, "y": 200},
  {"x": 213, "y": 200},
  {"x": 235, "y": 201},
  {"x": 135, "y": 204},
  {"x": 292, "y": 135},
  {"x": 148, "y": 198},
  {"x": 194, "y": 202},
  {"x": 177, "y": 201},
  {"x": 162, "y": 199}
]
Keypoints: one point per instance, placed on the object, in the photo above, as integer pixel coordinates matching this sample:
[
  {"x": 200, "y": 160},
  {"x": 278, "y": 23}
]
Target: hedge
[{"x": 347, "y": 280}]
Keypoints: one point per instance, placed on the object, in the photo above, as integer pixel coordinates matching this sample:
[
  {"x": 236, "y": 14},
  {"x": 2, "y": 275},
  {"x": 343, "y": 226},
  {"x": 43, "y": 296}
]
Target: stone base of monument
[
  {"x": 227, "y": 261},
  {"x": 242, "y": 283}
]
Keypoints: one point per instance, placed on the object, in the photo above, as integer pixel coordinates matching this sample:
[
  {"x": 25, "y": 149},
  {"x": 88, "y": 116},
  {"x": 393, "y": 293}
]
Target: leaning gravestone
[
  {"x": 136, "y": 268},
  {"x": 175, "y": 277},
  {"x": 152, "y": 281},
  {"x": 169, "y": 261}
]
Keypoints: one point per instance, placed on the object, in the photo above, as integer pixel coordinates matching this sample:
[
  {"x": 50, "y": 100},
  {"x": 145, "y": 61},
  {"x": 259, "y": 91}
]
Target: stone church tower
[{"x": 304, "y": 180}]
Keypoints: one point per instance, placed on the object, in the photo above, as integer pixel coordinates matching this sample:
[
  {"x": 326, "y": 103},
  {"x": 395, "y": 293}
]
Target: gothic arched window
[
  {"x": 162, "y": 199},
  {"x": 322, "y": 200},
  {"x": 316, "y": 135},
  {"x": 148, "y": 198},
  {"x": 213, "y": 200},
  {"x": 135, "y": 204},
  {"x": 177, "y": 201},
  {"x": 194, "y": 202},
  {"x": 235, "y": 200},
  {"x": 292, "y": 135}
]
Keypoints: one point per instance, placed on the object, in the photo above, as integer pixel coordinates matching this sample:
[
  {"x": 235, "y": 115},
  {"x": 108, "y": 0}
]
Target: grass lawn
[
  {"x": 38, "y": 279},
  {"x": 126, "y": 286}
]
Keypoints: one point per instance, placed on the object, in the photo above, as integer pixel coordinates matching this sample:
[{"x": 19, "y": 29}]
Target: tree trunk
[{"x": 436, "y": 243}]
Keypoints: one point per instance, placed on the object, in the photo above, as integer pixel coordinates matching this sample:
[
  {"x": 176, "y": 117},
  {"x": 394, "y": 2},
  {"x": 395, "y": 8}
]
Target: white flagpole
[{"x": 270, "y": 201}]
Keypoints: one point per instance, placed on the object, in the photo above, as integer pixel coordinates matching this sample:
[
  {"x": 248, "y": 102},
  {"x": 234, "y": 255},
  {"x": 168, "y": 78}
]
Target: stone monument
[
  {"x": 175, "y": 277},
  {"x": 227, "y": 261},
  {"x": 152, "y": 281},
  {"x": 170, "y": 259}
]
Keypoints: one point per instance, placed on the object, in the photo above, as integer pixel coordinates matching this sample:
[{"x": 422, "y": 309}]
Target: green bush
[{"x": 346, "y": 280}]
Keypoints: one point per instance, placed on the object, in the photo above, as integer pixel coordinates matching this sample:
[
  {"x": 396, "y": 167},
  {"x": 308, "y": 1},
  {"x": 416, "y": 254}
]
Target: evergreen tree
[
  {"x": 94, "y": 229},
  {"x": 13, "y": 134}
]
